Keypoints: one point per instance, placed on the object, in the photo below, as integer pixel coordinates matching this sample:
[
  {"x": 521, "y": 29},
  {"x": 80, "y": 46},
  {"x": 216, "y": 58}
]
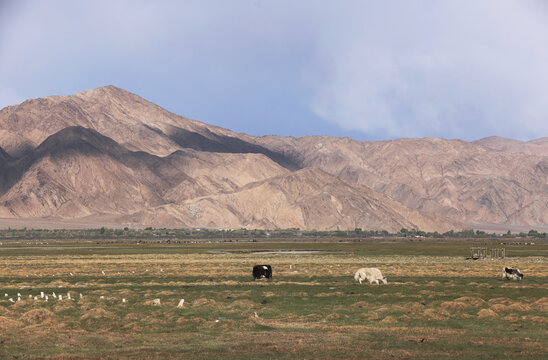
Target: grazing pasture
[{"x": 435, "y": 305}]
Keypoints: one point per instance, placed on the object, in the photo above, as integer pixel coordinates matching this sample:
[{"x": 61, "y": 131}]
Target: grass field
[{"x": 436, "y": 304}]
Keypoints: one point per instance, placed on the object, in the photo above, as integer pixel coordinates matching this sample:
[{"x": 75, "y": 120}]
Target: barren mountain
[
  {"x": 463, "y": 181},
  {"x": 108, "y": 154},
  {"x": 306, "y": 199},
  {"x": 126, "y": 118},
  {"x": 538, "y": 147}
]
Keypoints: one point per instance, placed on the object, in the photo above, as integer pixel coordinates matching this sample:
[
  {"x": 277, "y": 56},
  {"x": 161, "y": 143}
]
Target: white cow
[{"x": 373, "y": 275}]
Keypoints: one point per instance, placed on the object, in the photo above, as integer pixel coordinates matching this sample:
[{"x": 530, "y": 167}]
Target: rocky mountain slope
[{"x": 108, "y": 154}]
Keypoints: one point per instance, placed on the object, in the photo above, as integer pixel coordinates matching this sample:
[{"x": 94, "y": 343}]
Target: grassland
[{"x": 436, "y": 304}]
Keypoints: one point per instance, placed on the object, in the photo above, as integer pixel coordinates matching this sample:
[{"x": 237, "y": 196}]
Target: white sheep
[{"x": 373, "y": 275}]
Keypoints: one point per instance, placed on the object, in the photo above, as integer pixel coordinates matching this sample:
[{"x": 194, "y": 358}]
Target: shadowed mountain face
[{"x": 109, "y": 154}]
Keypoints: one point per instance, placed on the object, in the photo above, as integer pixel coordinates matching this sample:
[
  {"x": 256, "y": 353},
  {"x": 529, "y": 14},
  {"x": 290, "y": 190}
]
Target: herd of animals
[{"x": 374, "y": 275}]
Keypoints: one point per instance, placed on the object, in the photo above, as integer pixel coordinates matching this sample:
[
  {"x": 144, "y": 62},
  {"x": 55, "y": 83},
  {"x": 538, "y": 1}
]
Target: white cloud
[{"x": 437, "y": 68}]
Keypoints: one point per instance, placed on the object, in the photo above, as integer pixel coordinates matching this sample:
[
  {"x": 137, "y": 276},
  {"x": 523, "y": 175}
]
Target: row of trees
[{"x": 163, "y": 233}]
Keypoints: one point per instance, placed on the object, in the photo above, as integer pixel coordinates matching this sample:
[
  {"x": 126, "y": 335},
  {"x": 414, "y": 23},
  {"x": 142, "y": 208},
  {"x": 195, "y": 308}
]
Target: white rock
[
  {"x": 60, "y": 297},
  {"x": 41, "y": 294},
  {"x": 181, "y": 303},
  {"x": 156, "y": 302}
]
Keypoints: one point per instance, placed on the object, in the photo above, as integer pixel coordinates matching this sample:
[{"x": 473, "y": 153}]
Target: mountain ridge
[{"x": 109, "y": 153}]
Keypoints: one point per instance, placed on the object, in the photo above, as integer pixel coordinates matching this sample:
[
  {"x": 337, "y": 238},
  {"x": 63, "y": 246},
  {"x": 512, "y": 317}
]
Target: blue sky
[{"x": 366, "y": 69}]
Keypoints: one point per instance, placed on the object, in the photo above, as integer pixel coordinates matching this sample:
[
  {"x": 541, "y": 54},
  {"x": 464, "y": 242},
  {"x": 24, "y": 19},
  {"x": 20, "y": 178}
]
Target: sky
[{"x": 370, "y": 70}]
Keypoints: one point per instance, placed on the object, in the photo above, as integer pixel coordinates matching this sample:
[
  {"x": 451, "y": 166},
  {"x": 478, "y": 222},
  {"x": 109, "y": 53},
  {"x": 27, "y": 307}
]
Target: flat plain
[{"x": 436, "y": 304}]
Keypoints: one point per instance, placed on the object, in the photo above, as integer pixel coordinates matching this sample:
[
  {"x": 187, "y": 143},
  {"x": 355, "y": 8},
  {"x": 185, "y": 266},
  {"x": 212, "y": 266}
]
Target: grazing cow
[
  {"x": 373, "y": 275},
  {"x": 511, "y": 274},
  {"x": 262, "y": 271}
]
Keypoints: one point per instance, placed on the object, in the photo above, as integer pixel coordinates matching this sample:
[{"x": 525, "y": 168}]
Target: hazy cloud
[
  {"x": 462, "y": 69},
  {"x": 367, "y": 69}
]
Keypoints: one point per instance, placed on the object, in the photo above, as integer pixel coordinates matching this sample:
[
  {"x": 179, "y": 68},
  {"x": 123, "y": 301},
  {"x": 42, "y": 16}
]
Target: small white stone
[
  {"x": 123, "y": 300},
  {"x": 103, "y": 272},
  {"x": 47, "y": 298},
  {"x": 60, "y": 297},
  {"x": 11, "y": 300},
  {"x": 101, "y": 297},
  {"x": 156, "y": 302},
  {"x": 181, "y": 303},
  {"x": 41, "y": 294},
  {"x": 35, "y": 298},
  {"x": 71, "y": 274},
  {"x": 81, "y": 296}
]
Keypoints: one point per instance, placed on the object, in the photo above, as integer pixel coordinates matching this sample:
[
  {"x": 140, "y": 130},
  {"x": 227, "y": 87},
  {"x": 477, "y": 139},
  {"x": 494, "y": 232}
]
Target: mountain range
[{"x": 109, "y": 156}]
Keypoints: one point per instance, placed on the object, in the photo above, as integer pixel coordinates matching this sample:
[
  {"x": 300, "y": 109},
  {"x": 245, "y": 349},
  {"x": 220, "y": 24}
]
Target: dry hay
[
  {"x": 97, "y": 313},
  {"x": 498, "y": 307},
  {"x": 518, "y": 307},
  {"x": 487, "y": 313},
  {"x": 190, "y": 321},
  {"x": 338, "y": 293},
  {"x": 536, "y": 318},
  {"x": 165, "y": 293},
  {"x": 435, "y": 314},
  {"x": 333, "y": 317},
  {"x": 58, "y": 284},
  {"x": 240, "y": 304},
  {"x": 64, "y": 305},
  {"x": 22, "y": 303},
  {"x": 511, "y": 317},
  {"x": 454, "y": 305},
  {"x": 8, "y": 324},
  {"x": 389, "y": 320},
  {"x": 38, "y": 315},
  {"x": 542, "y": 304},
  {"x": 371, "y": 315},
  {"x": 474, "y": 301},
  {"x": 203, "y": 302},
  {"x": 500, "y": 300},
  {"x": 132, "y": 317}
]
